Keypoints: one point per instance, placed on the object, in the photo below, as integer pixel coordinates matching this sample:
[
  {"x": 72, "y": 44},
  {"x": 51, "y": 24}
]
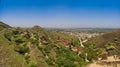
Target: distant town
[{"x": 83, "y": 33}]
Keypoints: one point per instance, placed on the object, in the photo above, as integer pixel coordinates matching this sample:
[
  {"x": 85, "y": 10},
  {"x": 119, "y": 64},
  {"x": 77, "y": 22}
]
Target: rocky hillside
[
  {"x": 38, "y": 47},
  {"x": 108, "y": 46}
]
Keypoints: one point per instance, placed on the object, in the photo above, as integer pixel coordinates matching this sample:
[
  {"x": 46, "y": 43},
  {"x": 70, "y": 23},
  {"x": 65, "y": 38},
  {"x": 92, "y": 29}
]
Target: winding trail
[{"x": 81, "y": 42}]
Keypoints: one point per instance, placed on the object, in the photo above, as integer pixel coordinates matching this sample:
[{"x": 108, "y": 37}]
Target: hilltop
[
  {"x": 3, "y": 25},
  {"x": 38, "y": 47}
]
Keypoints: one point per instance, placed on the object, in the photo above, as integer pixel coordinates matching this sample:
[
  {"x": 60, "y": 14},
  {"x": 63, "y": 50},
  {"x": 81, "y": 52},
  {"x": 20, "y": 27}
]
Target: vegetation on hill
[
  {"x": 38, "y": 47},
  {"x": 8, "y": 57},
  {"x": 3, "y": 25},
  {"x": 108, "y": 44}
]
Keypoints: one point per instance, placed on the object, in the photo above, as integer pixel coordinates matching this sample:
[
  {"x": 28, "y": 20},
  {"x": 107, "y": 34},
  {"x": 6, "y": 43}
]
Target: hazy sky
[{"x": 61, "y": 13}]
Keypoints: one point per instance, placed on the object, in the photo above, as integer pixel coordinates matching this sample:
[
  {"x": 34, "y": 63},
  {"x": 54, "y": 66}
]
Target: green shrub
[
  {"x": 21, "y": 49},
  {"x": 15, "y": 32},
  {"x": 49, "y": 61},
  {"x": 109, "y": 46},
  {"x": 34, "y": 41},
  {"x": 19, "y": 40},
  {"x": 75, "y": 42},
  {"x": 64, "y": 62},
  {"x": 27, "y": 58},
  {"x": 8, "y": 35},
  {"x": 32, "y": 64}
]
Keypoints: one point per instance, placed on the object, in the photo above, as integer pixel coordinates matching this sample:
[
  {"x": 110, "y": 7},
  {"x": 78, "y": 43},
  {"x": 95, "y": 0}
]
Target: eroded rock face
[
  {"x": 95, "y": 64},
  {"x": 111, "y": 61}
]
